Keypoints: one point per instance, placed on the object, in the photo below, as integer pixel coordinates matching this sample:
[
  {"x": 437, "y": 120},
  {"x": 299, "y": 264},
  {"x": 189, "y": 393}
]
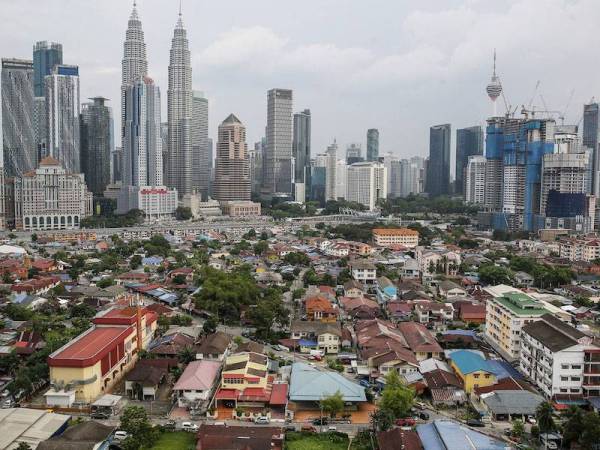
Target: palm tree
[
  {"x": 573, "y": 426},
  {"x": 187, "y": 355},
  {"x": 543, "y": 414}
]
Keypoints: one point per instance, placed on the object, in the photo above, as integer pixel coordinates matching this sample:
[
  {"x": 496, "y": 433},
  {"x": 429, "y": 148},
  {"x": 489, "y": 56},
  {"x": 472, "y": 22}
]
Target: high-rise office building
[
  {"x": 134, "y": 63},
  {"x": 62, "y": 110},
  {"x": 469, "y": 142},
  {"x": 353, "y": 153},
  {"x": 394, "y": 175},
  {"x": 255, "y": 157},
  {"x": 96, "y": 144},
  {"x": 200, "y": 156},
  {"x": 367, "y": 183},
  {"x": 277, "y": 158},
  {"x": 341, "y": 178},
  {"x": 475, "y": 180},
  {"x": 330, "y": 166},
  {"x": 117, "y": 165},
  {"x": 142, "y": 151},
  {"x": 46, "y": 55},
  {"x": 373, "y": 144},
  {"x": 232, "y": 168},
  {"x": 180, "y": 113},
  {"x": 301, "y": 153},
  {"x": 438, "y": 169},
  {"x": 18, "y": 138},
  {"x": 591, "y": 140}
]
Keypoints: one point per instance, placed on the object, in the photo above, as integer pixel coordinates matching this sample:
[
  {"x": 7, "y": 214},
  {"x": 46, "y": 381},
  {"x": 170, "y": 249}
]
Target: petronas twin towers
[{"x": 141, "y": 155}]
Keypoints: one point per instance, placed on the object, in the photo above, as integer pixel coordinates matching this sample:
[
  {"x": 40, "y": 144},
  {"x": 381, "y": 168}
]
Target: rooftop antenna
[{"x": 179, "y": 8}]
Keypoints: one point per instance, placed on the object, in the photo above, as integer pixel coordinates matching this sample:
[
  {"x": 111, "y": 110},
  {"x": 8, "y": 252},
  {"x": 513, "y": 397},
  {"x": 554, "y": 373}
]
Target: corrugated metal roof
[{"x": 309, "y": 383}]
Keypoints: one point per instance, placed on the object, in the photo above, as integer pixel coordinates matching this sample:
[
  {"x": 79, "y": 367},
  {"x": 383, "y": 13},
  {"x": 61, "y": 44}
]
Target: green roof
[{"x": 521, "y": 304}]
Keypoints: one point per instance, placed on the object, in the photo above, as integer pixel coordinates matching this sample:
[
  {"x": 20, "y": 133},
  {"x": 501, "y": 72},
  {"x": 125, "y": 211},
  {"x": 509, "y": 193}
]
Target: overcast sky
[{"x": 397, "y": 65}]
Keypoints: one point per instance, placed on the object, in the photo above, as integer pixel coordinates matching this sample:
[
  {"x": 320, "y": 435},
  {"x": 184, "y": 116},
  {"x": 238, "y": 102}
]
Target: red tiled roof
[
  {"x": 227, "y": 394},
  {"x": 279, "y": 394},
  {"x": 254, "y": 395}
]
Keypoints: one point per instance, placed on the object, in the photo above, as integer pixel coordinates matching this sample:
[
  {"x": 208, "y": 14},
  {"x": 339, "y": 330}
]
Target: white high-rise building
[
  {"x": 394, "y": 179},
  {"x": 142, "y": 153},
  {"x": 180, "y": 113},
  {"x": 134, "y": 64},
  {"x": 277, "y": 158},
  {"x": 330, "y": 166},
  {"x": 475, "y": 180},
  {"x": 367, "y": 183},
  {"x": 200, "y": 151},
  {"x": 341, "y": 176},
  {"x": 63, "y": 109}
]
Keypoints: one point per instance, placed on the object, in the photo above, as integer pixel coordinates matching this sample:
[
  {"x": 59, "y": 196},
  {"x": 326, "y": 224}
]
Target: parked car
[
  {"x": 322, "y": 421},
  {"x": 531, "y": 420},
  {"x": 475, "y": 423},
  {"x": 331, "y": 428},
  {"x": 262, "y": 420},
  {"x": 100, "y": 415},
  {"x": 9, "y": 403},
  {"x": 423, "y": 415},
  {"x": 364, "y": 383},
  {"x": 308, "y": 429},
  {"x": 406, "y": 422},
  {"x": 290, "y": 428},
  {"x": 170, "y": 425},
  {"x": 189, "y": 426},
  {"x": 120, "y": 435}
]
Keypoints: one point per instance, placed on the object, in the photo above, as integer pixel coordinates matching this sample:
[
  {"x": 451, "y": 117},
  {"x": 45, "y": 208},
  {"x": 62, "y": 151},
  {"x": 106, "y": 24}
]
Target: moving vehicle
[
  {"x": 322, "y": 421},
  {"x": 189, "y": 426},
  {"x": 262, "y": 420},
  {"x": 364, "y": 383},
  {"x": 423, "y": 415},
  {"x": 121, "y": 435},
  {"x": 475, "y": 423},
  {"x": 331, "y": 428}
]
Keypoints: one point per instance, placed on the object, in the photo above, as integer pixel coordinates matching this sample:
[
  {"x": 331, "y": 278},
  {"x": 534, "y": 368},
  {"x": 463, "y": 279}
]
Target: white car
[
  {"x": 551, "y": 445},
  {"x": 189, "y": 426},
  {"x": 531, "y": 420},
  {"x": 262, "y": 420},
  {"x": 331, "y": 428},
  {"x": 120, "y": 435}
]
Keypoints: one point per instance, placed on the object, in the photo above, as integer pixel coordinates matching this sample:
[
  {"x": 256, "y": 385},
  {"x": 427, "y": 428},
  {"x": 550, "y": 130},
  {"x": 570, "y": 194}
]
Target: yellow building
[
  {"x": 388, "y": 237},
  {"x": 506, "y": 313},
  {"x": 244, "y": 380},
  {"x": 93, "y": 362},
  {"x": 472, "y": 369}
]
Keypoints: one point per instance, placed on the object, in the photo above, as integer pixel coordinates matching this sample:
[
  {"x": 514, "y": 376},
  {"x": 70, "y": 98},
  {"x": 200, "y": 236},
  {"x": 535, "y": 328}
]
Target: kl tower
[{"x": 494, "y": 89}]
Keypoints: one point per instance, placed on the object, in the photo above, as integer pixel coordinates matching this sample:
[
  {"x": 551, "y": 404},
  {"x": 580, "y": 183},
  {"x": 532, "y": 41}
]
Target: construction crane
[{"x": 562, "y": 115}]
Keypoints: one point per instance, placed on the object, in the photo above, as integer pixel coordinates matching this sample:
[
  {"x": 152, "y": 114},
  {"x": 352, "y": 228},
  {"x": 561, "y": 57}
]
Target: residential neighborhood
[{"x": 270, "y": 338}]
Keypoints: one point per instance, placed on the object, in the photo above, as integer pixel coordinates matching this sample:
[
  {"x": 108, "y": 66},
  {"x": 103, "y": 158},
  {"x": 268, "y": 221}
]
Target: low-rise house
[
  {"x": 471, "y": 312},
  {"x": 391, "y": 237},
  {"x": 317, "y": 335},
  {"x": 386, "y": 291},
  {"x": 523, "y": 279},
  {"x": 472, "y": 369},
  {"x": 360, "y": 308},
  {"x": 171, "y": 345},
  {"x": 215, "y": 346},
  {"x": 319, "y": 309},
  {"x": 445, "y": 388},
  {"x": 219, "y": 437},
  {"x": 353, "y": 288},
  {"x": 197, "y": 382},
  {"x": 399, "y": 311},
  {"x": 399, "y": 438},
  {"x": 449, "y": 289},
  {"x": 450, "y": 435},
  {"x": 363, "y": 271},
  {"x": 420, "y": 340},
  {"x": 511, "y": 405},
  {"x": 87, "y": 435},
  {"x": 143, "y": 381},
  {"x": 391, "y": 356},
  {"x": 429, "y": 311},
  {"x": 410, "y": 270}
]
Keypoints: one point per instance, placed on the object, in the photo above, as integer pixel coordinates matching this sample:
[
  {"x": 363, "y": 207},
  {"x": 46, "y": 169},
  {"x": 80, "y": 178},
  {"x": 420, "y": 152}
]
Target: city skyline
[{"x": 410, "y": 101}]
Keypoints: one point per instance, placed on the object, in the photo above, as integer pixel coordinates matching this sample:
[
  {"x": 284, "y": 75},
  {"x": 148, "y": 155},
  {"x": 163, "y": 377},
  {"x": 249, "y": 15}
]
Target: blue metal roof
[
  {"x": 307, "y": 343},
  {"x": 309, "y": 383},
  {"x": 503, "y": 370},
  {"x": 469, "y": 362},
  {"x": 448, "y": 435}
]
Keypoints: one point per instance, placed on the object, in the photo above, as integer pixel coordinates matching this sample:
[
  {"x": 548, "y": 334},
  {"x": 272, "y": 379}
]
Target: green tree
[
  {"x": 297, "y": 259},
  {"x": 333, "y": 404},
  {"x": 396, "y": 398},
  {"x": 518, "y": 428},
  {"x": 543, "y": 414},
  {"x": 260, "y": 247},
  {"x": 135, "y": 261},
  {"x": 183, "y": 213},
  {"x": 186, "y": 355},
  {"x": 381, "y": 420},
  {"x": 209, "y": 326},
  {"x": 135, "y": 422},
  {"x": 24, "y": 445},
  {"x": 573, "y": 426},
  {"x": 492, "y": 274},
  {"x": 591, "y": 431}
]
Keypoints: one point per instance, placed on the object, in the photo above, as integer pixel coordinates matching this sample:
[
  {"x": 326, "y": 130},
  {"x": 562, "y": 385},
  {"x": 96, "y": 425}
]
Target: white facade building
[
  {"x": 330, "y": 172},
  {"x": 49, "y": 198},
  {"x": 475, "y": 180},
  {"x": 277, "y": 158},
  {"x": 157, "y": 202},
  {"x": 341, "y": 176},
  {"x": 556, "y": 357},
  {"x": 366, "y": 183}
]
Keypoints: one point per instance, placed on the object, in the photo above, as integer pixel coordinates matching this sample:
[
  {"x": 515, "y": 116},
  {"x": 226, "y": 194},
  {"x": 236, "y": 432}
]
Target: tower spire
[{"x": 494, "y": 62}]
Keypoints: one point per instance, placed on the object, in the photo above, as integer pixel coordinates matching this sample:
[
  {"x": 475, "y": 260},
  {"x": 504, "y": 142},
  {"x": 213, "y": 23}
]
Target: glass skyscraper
[
  {"x": 373, "y": 144},
  {"x": 46, "y": 55},
  {"x": 469, "y": 142},
  {"x": 301, "y": 151},
  {"x": 96, "y": 144},
  {"x": 438, "y": 169}
]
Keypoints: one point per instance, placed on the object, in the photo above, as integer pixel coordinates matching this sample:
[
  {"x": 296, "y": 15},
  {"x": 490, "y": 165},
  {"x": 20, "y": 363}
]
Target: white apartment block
[
  {"x": 475, "y": 180},
  {"x": 51, "y": 199},
  {"x": 157, "y": 202},
  {"x": 363, "y": 271},
  {"x": 559, "y": 359},
  {"x": 366, "y": 183},
  {"x": 564, "y": 172}
]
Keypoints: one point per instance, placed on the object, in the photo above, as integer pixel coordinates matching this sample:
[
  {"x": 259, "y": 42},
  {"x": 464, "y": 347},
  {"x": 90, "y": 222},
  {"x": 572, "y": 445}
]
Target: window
[
  {"x": 476, "y": 375},
  {"x": 564, "y": 378},
  {"x": 576, "y": 366},
  {"x": 575, "y": 378},
  {"x": 564, "y": 390},
  {"x": 564, "y": 366}
]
